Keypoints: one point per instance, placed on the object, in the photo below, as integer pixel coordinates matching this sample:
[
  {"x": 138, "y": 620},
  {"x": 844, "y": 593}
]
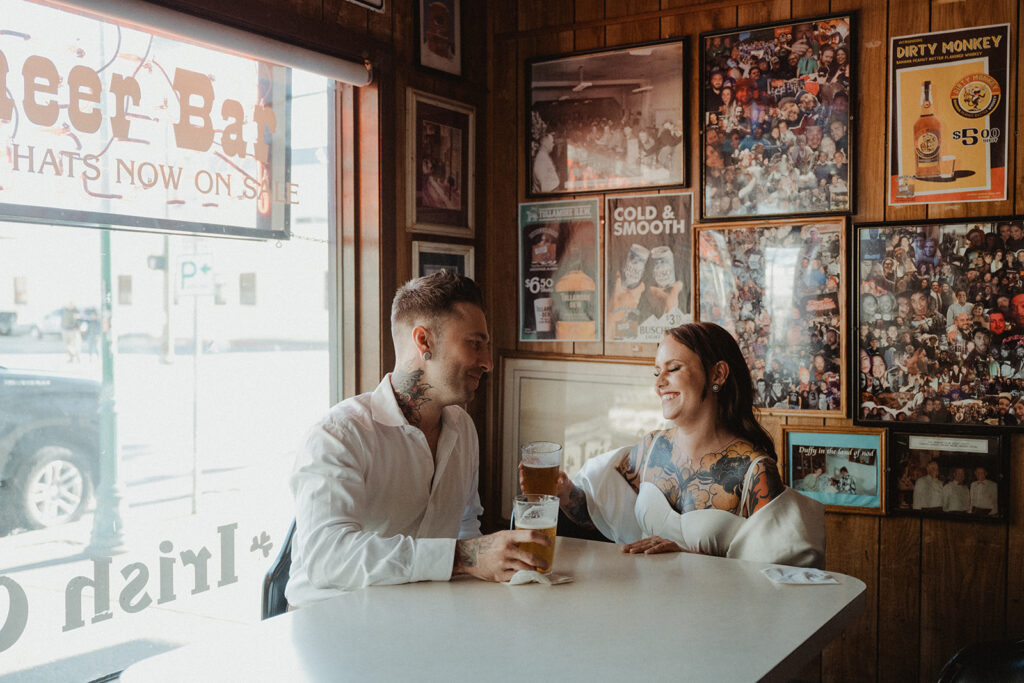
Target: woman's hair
[{"x": 712, "y": 343}]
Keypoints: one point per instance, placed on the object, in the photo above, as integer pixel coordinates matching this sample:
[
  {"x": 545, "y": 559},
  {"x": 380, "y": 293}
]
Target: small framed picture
[
  {"x": 842, "y": 467},
  {"x": 779, "y": 287},
  {"x": 440, "y": 38},
  {"x": 953, "y": 474},
  {"x": 607, "y": 120},
  {"x": 440, "y": 145},
  {"x": 430, "y": 257},
  {"x": 939, "y": 321}
]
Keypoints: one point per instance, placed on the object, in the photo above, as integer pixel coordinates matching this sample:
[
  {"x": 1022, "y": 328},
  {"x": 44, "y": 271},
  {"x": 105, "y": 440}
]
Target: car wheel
[{"x": 53, "y": 487}]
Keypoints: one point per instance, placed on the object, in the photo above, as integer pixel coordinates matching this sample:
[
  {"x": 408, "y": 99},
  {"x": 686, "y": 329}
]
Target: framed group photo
[
  {"x": 440, "y": 39},
  {"x": 607, "y": 120},
  {"x": 779, "y": 288},
  {"x": 776, "y": 125},
  {"x": 430, "y": 257},
  {"x": 440, "y": 145},
  {"x": 842, "y": 467},
  {"x": 950, "y": 474},
  {"x": 939, "y": 315}
]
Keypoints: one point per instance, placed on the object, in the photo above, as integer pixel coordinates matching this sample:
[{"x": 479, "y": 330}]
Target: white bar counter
[{"x": 626, "y": 617}]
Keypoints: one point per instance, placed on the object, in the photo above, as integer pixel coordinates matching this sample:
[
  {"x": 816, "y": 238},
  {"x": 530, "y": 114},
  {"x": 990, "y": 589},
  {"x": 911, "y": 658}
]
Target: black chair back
[
  {"x": 276, "y": 579},
  {"x": 989, "y": 662}
]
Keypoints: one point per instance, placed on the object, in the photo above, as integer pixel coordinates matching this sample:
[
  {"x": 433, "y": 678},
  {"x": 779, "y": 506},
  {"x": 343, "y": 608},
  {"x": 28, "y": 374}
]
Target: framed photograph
[
  {"x": 440, "y": 144},
  {"x": 949, "y": 474},
  {"x": 842, "y": 467},
  {"x": 587, "y": 406},
  {"x": 948, "y": 95},
  {"x": 439, "y": 28},
  {"x": 775, "y": 119},
  {"x": 649, "y": 278},
  {"x": 559, "y": 266},
  {"x": 430, "y": 257},
  {"x": 607, "y": 120},
  {"x": 939, "y": 315},
  {"x": 780, "y": 288}
]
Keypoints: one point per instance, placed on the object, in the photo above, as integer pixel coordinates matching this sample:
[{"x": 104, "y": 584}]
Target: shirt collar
[{"x": 384, "y": 406}]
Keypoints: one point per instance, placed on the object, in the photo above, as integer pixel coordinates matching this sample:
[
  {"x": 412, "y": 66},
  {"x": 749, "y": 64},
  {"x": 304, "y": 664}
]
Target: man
[
  {"x": 960, "y": 306},
  {"x": 955, "y": 495},
  {"x": 928, "y": 490},
  {"x": 70, "y": 332},
  {"x": 387, "y": 481},
  {"x": 984, "y": 494},
  {"x": 545, "y": 175},
  {"x": 847, "y": 484}
]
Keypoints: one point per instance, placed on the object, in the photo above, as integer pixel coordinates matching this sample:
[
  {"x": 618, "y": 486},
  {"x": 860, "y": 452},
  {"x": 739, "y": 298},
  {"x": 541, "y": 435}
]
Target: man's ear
[{"x": 422, "y": 339}]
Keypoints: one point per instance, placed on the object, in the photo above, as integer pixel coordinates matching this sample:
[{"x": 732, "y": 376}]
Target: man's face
[
  {"x": 996, "y": 322},
  {"x": 837, "y": 129},
  {"x": 1004, "y": 405},
  {"x": 716, "y": 80},
  {"x": 1017, "y": 308},
  {"x": 981, "y": 342},
  {"x": 1004, "y": 230},
  {"x": 919, "y": 302},
  {"x": 962, "y": 321},
  {"x": 744, "y": 94},
  {"x": 961, "y": 297},
  {"x": 981, "y": 474},
  {"x": 958, "y": 475},
  {"x": 814, "y": 136},
  {"x": 461, "y": 355},
  {"x": 790, "y": 111}
]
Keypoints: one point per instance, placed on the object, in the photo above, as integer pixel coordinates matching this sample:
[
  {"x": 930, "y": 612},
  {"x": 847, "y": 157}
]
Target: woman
[{"x": 708, "y": 483}]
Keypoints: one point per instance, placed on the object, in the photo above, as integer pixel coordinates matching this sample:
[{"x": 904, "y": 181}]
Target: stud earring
[
  {"x": 426, "y": 356},
  {"x": 715, "y": 388}
]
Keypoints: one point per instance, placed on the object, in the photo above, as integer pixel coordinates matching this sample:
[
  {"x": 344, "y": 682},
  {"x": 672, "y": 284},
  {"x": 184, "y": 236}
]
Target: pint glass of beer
[
  {"x": 541, "y": 462},
  {"x": 539, "y": 512}
]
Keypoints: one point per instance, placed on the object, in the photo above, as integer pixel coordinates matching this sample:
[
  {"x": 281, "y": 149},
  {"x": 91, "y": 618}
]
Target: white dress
[{"x": 789, "y": 530}]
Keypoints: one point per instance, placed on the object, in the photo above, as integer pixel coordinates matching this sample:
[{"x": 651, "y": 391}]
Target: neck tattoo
[{"x": 411, "y": 394}]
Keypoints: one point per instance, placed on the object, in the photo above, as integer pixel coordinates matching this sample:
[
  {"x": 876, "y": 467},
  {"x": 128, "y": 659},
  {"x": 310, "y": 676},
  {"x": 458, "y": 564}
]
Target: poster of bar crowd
[
  {"x": 949, "y": 95},
  {"x": 648, "y": 274},
  {"x": 779, "y": 287},
  {"x": 558, "y": 271},
  {"x": 940, "y": 322},
  {"x": 775, "y": 111},
  {"x": 606, "y": 120}
]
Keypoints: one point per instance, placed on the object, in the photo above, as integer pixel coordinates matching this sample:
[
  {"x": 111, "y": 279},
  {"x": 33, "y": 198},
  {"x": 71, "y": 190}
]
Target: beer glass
[
  {"x": 538, "y": 512},
  {"x": 541, "y": 462}
]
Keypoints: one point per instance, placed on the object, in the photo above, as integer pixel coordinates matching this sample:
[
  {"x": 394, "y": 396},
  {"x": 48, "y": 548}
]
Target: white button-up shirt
[{"x": 371, "y": 507}]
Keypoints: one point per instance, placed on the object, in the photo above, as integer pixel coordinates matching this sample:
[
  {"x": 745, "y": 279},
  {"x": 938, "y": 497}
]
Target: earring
[
  {"x": 715, "y": 388},
  {"x": 426, "y": 356}
]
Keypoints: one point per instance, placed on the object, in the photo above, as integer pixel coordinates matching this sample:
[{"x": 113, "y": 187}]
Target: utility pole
[{"x": 107, "y": 523}]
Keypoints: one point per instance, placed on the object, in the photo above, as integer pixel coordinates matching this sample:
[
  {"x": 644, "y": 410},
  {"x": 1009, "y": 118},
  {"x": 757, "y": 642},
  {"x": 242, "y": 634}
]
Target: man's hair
[{"x": 431, "y": 297}]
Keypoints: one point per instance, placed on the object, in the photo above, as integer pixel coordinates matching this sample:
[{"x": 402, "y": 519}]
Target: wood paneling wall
[{"x": 933, "y": 586}]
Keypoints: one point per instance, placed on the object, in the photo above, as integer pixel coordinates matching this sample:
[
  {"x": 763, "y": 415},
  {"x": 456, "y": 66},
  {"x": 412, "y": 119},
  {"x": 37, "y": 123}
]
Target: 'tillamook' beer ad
[
  {"x": 649, "y": 265},
  {"x": 949, "y": 116},
  {"x": 558, "y": 271}
]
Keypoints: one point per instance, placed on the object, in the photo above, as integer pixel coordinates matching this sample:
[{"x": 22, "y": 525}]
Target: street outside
[{"x": 253, "y": 408}]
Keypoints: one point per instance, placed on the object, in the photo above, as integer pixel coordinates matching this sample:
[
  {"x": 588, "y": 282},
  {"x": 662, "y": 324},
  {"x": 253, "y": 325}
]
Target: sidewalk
[{"x": 43, "y": 563}]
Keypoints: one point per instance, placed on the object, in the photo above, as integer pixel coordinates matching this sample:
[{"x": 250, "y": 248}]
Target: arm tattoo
[
  {"x": 766, "y": 485},
  {"x": 467, "y": 553},
  {"x": 411, "y": 393},
  {"x": 577, "y": 510}
]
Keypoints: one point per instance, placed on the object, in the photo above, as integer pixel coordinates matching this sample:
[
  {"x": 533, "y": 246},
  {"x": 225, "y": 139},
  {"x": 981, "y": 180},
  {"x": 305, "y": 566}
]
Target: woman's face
[
  {"x": 680, "y": 381},
  {"x": 841, "y": 56},
  {"x": 726, "y": 95}
]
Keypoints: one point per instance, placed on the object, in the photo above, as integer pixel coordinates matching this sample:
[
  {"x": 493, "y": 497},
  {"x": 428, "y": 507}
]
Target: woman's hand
[{"x": 654, "y": 545}]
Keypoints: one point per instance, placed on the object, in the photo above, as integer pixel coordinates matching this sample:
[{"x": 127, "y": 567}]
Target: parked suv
[{"x": 49, "y": 448}]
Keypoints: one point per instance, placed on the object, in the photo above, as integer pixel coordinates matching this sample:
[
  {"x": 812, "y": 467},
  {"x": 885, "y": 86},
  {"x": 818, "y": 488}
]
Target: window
[{"x": 212, "y": 391}]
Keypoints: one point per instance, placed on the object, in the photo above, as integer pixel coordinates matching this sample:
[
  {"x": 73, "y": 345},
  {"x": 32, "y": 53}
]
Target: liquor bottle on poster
[
  {"x": 927, "y": 136},
  {"x": 576, "y": 294}
]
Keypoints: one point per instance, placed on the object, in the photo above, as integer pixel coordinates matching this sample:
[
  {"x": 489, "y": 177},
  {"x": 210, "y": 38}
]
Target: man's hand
[
  {"x": 497, "y": 556},
  {"x": 664, "y": 299}
]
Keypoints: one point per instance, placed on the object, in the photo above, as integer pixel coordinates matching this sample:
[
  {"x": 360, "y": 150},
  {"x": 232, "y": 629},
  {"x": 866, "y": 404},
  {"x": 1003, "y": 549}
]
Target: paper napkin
[
  {"x": 531, "y": 576},
  {"x": 797, "y": 575}
]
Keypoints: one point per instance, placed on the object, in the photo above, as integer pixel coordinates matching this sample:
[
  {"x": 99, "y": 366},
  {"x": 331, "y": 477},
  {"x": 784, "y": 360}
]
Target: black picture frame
[
  {"x": 912, "y": 493},
  {"x": 752, "y": 175},
  {"x": 923, "y": 354},
  {"x": 616, "y": 119}
]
